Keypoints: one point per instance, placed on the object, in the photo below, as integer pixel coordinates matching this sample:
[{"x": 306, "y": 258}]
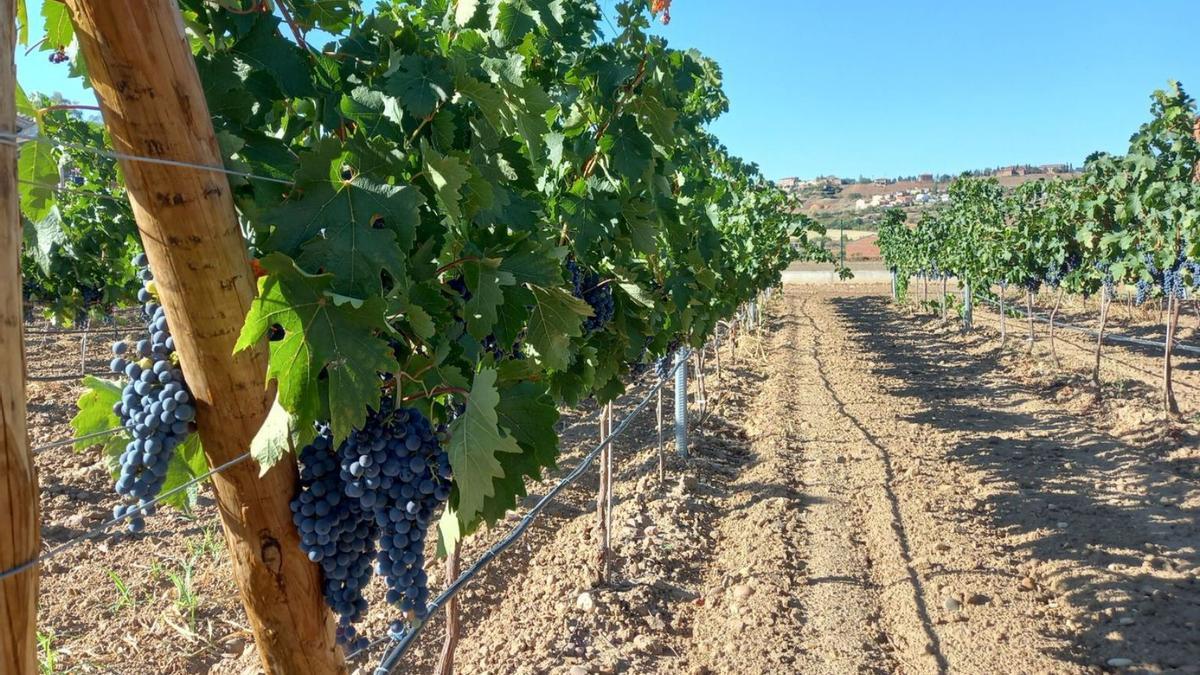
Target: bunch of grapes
[
  {"x": 59, "y": 56},
  {"x": 337, "y": 533},
  {"x": 155, "y": 406},
  {"x": 1055, "y": 273},
  {"x": 383, "y": 484},
  {"x": 599, "y": 296},
  {"x": 1032, "y": 284}
]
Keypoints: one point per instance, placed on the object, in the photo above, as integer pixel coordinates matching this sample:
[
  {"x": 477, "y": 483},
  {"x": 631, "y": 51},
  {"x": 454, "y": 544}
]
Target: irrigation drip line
[
  {"x": 72, "y": 441},
  {"x": 1115, "y": 337},
  {"x": 16, "y": 140},
  {"x": 99, "y": 529},
  {"x": 391, "y": 660}
]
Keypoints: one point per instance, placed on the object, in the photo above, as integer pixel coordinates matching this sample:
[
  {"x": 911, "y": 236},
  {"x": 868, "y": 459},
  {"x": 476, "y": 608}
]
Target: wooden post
[
  {"x": 150, "y": 94},
  {"x": 20, "y": 536},
  {"x": 602, "y": 536},
  {"x": 1105, "y": 303},
  {"x": 453, "y": 623}
]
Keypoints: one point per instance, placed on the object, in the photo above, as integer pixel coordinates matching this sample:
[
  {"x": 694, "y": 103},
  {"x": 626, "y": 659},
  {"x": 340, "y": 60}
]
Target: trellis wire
[
  {"x": 72, "y": 441},
  {"x": 391, "y": 660},
  {"x": 1115, "y": 337},
  {"x": 17, "y": 140},
  {"x": 71, "y": 543}
]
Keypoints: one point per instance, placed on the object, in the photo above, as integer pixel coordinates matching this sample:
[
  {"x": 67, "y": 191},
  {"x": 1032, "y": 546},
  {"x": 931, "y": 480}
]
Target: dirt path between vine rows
[
  {"x": 870, "y": 491},
  {"x": 877, "y": 494}
]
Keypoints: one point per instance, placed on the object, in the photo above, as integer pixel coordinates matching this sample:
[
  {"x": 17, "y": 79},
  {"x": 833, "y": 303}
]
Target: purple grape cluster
[
  {"x": 389, "y": 478},
  {"x": 155, "y": 407},
  {"x": 599, "y": 296},
  {"x": 337, "y": 533}
]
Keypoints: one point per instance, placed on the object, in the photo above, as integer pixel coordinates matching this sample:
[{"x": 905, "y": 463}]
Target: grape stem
[
  {"x": 436, "y": 391},
  {"x": 451, "y": 265}
]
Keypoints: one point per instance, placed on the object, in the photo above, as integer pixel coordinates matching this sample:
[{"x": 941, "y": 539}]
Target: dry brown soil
[{"x": 872, "y": 491}]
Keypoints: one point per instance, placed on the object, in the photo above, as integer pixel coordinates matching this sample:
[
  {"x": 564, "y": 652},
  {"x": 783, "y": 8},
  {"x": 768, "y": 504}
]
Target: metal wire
[
  {"x": 1115, "y": 337},
  {"x": 72, "y": 441},
  {"x": 391, "y": 660},
  {"x": 16, "y": 140},
  {"x": 71, "y": 543}
]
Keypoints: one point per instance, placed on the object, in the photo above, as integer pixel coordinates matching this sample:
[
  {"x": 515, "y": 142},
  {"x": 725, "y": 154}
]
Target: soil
[{"x": 870, "y": 491}]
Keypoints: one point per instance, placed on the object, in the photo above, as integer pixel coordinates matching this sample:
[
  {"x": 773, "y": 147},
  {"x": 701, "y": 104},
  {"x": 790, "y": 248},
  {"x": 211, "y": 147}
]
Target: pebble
[
  {"x": 1119, "y": 662},
  {"x": 742, "y": 591},
  {"x": 585, "y": 602},
  {"x": 951, "y": 604},
  {"x": 1027, "y": 584},
  {"x": 578, "y": 670},
  {"x": 1126, "y": 621}
]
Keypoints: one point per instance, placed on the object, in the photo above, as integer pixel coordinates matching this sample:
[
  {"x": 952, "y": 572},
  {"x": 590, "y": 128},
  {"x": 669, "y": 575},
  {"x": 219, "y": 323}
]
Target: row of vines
[
  {"x": 461, "y": 215},
  {"x": 1131, "y": 220}
]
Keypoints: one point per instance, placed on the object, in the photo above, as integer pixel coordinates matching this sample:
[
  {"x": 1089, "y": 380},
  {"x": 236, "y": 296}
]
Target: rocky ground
[{"x": 870, "y": 491}]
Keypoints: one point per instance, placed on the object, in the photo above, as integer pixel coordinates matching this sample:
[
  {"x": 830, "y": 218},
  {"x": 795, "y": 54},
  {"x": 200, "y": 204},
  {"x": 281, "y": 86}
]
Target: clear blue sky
[{"x": 890, "y": 88}]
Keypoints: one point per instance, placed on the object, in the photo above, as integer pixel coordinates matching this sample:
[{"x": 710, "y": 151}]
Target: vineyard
[{"x": 447, "y": 336}]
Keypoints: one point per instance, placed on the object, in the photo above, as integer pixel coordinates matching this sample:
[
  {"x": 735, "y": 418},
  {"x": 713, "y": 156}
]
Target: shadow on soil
[{"x": 1067, "y": 465}]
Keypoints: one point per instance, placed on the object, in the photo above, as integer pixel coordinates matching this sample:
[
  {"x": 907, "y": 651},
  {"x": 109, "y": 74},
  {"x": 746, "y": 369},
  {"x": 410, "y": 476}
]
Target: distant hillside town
[
  {"x": 831, "y": 185},
  {"x": 857, "y": 203}
]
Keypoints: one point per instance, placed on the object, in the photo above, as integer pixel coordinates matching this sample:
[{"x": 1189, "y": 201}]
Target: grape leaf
[
  {"x": 486, "y": 295},
  {"x": 22, "y": 12},
  {"x": 352, "y": 230},
  {"x": 344, "y": 342},
  {"x": 38, "y": 172},
  {"x": 529, "y": 412},
  {"x": 557, "y": 316},
  {"x": 43, "y": 236},
  {"x": 420, "y": 84},
  {"x": 96, "y": 414},
  {"x": 475, "y": 439},
  {"x": 275, "y": 438},
  {"x": 447, "y": 175},
  {"x": 263, "y": 49},
  {"x": 59, "y": 30},
  {"x": 464, "y": 10}
]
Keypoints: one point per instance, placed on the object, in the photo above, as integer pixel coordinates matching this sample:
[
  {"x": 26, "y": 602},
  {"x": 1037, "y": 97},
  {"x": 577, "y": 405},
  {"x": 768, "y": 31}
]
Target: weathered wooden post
[
  {"x": 20, "y": 536},
  {"x": 145, "y": 78}
]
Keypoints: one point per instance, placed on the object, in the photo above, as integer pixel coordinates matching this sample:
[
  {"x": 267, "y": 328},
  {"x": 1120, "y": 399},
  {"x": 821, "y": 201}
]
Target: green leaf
[
  {"x": 486, "y": 296},
  {"x": 513, "y": 20},
  {"x": 274, "y": 438},
  {"x": 529, "y": 412},
  {"x": 449, "y": 532},
  {"x": 421, "y": 84},
  {"x": 346, "y": 344},
  {"x": 557, "y": 316},
  {"x": 59, "y": 29},
  {"x": 95, "y": 415},
  {"x": 22, "y": 23},
  {"x": 447, "y": 175},
  {"x": 38, "y": 172},
  {"x": 187, "y": 464},
  {"x": 264, "y": 49},
  {"x": 352, "y": 231},
  {"x": 475, "y": 440},
  {"x": 43, "y": 236},
  {"x": 464, "y": 11},
  {"x": 24, "y": 105}
]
